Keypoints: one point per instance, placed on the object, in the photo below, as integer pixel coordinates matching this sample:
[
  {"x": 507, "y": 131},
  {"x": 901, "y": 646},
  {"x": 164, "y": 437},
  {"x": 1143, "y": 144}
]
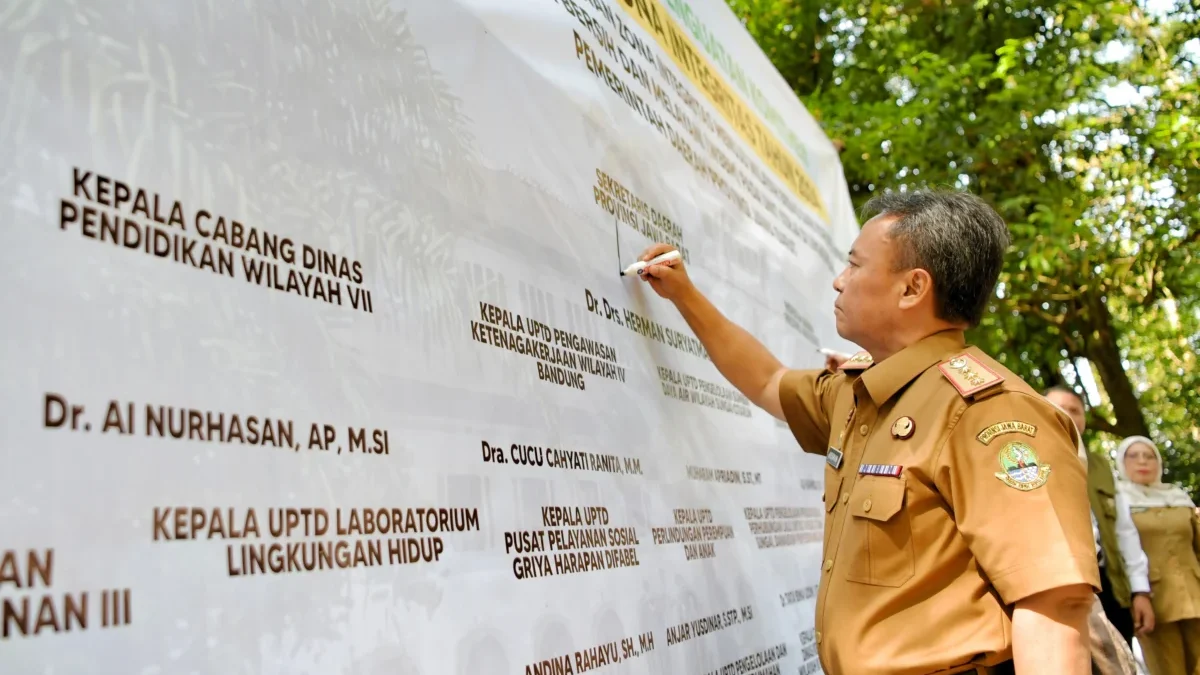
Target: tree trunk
[{"x": 1104, "y": 352}]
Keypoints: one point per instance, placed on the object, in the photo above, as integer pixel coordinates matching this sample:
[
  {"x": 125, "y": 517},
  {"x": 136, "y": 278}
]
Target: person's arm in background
[
  {"x": 1137, "y": 567},
  {"x": 740, "y": 358},
  {"x": 1050, "y": 631}
]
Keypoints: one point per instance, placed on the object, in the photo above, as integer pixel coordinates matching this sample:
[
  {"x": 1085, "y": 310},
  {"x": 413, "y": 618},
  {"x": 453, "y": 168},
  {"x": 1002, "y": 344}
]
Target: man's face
[
  {"x": 869, "y": 288},
  {"x": 1070, "y": 404}
]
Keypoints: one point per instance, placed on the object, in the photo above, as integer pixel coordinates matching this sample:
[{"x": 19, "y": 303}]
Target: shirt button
[
  {"x": 864, "y": 429},
  {"x": 846, "y": 498},
  {"x": 818, "y": 637},
  {"x": 867, "y": 505},
  {"x": 828, "y": 565}
]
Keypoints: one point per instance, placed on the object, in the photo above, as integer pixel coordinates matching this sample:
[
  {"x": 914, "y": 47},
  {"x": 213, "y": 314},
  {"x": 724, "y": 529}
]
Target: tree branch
[
  {"x": 1193, "y": 236},
  {"x": 1152, "y": 292},
  {"x": 1074, "y": 369},
  {"x": 1035, "y": 309},
  {"x": 1098, "y": 423}
]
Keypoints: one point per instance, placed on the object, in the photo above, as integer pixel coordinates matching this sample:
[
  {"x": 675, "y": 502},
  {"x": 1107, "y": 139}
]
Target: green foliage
[{"x": 1076, "y": 120}]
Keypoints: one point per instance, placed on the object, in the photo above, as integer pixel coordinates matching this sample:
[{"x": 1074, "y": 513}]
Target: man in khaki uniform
[{"x": 957, "y": 534}]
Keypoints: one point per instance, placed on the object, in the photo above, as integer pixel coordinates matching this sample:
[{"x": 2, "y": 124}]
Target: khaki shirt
[{"x": 958, "y": 493}]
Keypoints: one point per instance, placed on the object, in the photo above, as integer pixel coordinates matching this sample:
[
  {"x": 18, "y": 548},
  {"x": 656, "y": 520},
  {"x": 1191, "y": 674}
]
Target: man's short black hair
[{"x": 956, "y": 237}]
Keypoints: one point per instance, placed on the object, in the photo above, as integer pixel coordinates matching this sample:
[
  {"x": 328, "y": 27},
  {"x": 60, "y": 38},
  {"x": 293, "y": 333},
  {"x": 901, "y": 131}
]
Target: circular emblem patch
[
  {"x": 1022, "y": 468},
  {"x": 903, "y": 427}
]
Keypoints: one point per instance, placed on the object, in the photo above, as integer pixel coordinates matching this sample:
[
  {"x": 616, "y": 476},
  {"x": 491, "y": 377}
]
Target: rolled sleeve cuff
[
  {"x": 1139, "y": 584},
  {"x": 1021, "y": 582},
  {"x": 799, "y": 419}
]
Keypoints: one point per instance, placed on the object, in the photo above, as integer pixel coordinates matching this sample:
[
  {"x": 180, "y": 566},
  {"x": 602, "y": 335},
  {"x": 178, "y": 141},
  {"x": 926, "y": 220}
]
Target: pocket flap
[
  {"x": 877, "y": 498},
  {"x": 833, "y": 490}
]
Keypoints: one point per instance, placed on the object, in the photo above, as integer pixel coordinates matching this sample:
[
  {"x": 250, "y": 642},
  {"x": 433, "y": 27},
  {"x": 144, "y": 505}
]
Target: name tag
[
  {"x": 892, "y": 470},
  {"x": 834, "y": 458}
]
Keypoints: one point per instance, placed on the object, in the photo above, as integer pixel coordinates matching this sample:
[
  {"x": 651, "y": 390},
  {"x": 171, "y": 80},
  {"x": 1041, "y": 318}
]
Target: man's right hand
[
  {"x": 835, "y": 361},
  {"x": 741, "y": 358},
  {"x": 669, "y": 281}
]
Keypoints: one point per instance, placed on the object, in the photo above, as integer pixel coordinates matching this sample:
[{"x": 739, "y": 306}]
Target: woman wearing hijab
[{"x": 1169, "y": 527}]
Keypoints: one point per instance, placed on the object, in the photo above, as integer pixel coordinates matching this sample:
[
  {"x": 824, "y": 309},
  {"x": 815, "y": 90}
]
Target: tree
[{"x": 1073, "y": 120}]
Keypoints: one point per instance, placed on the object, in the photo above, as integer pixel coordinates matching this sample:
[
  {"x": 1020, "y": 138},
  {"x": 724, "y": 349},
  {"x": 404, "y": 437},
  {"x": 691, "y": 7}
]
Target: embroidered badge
[
  {"x": 892, "y": 470},
  {"x": 965, "y": 371},
  {"x": 834, "y": 458},
  {"x": 903, "y": 428},
  {"x": 1021, "y": 468},
  {"x": 859, "y": 361},
  {"x": 1010, "y": 427},
  {"x": 969, "y": 375}
]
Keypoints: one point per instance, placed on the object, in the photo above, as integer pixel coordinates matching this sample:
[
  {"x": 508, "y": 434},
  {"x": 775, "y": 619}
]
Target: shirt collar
[{"x": 885, "y": 378}]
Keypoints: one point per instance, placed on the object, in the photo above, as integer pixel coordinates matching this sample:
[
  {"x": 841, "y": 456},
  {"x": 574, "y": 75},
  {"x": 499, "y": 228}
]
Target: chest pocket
[
  {"x": 1108, "y": 503},
  {"x": 878, "y": 541},
  {"x": 833, "y": 491}
]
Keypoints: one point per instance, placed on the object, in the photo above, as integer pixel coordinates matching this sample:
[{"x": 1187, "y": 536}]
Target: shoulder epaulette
[
  {"x": 859, "y": 361},
  {"x": 969, "y": 376}
]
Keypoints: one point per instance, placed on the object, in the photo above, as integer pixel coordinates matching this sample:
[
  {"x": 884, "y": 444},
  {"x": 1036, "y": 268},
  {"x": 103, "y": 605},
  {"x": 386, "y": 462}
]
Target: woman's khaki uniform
[
  {"x": 1169, "y": 528},
  {"x": 1171, "y": 539}
]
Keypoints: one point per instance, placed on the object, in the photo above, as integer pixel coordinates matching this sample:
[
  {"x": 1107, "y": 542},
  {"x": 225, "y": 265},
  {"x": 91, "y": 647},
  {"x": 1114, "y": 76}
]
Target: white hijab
[{"x": 1156, "y": 495}]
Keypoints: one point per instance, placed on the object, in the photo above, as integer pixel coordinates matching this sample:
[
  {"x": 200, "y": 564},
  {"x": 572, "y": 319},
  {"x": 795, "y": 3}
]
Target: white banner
[{"x": 316, "y": 358}]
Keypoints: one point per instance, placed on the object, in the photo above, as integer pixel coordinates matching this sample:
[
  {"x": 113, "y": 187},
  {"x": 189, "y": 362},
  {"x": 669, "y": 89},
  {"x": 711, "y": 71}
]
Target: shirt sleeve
[
  {"x": 1019, "y": 500},
  {"x": 1136, "y": 565},
  {"x": 807, "y": 397}
]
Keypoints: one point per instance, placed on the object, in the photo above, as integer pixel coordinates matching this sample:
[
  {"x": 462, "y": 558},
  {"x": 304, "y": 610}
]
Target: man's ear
[{"x": 918, "y": 286}]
